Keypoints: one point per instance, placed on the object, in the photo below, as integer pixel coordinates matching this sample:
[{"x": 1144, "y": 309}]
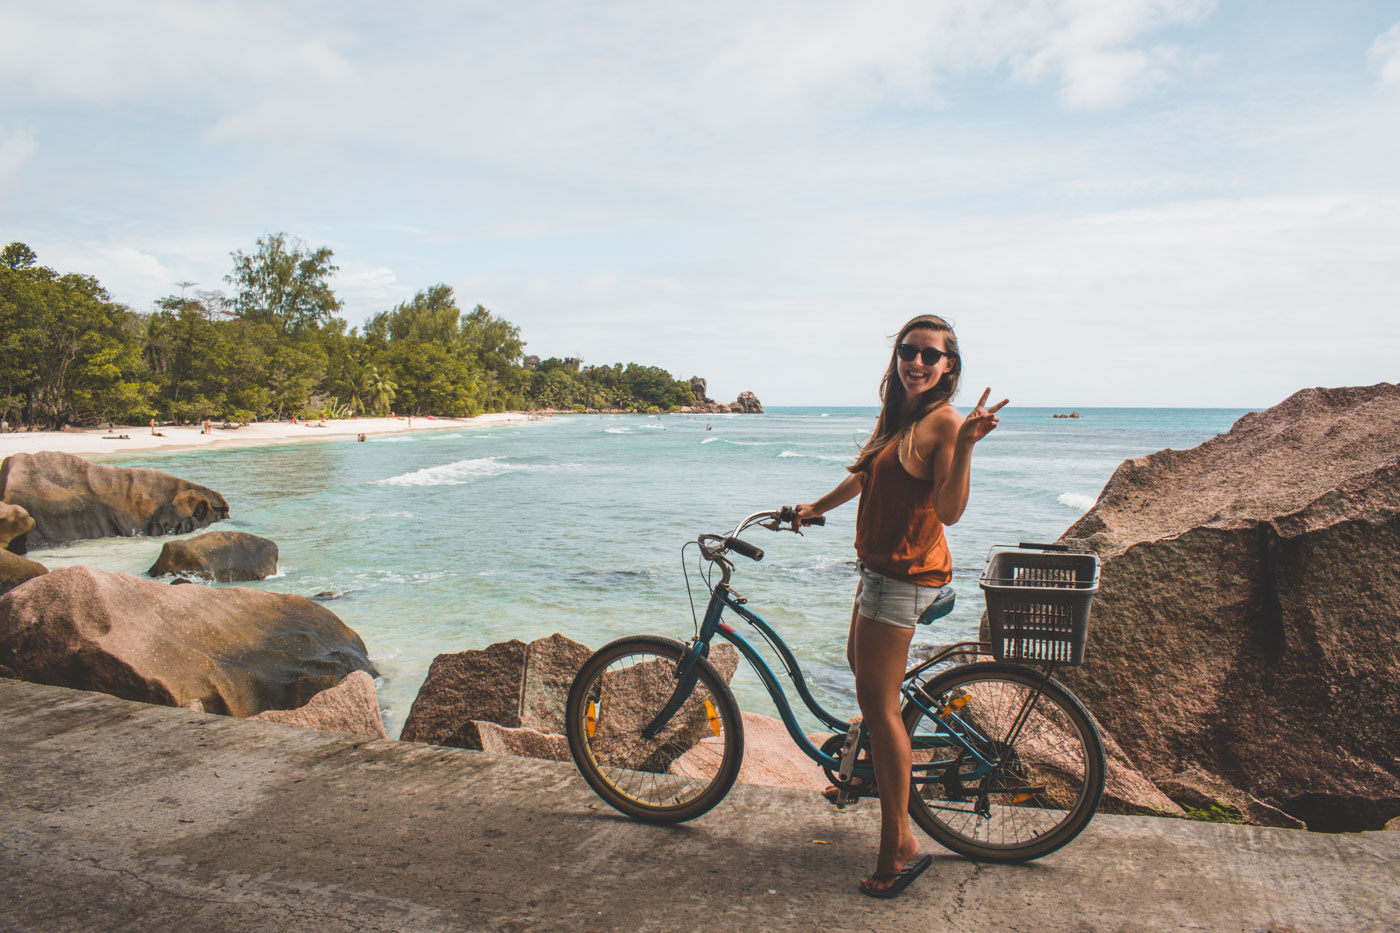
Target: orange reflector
[
  {"x": 1021, "y": 798},
  {"x": 712, "y": 716},
  {"x": 591, "y": 718},
  {"x": 955, "y": 704}
]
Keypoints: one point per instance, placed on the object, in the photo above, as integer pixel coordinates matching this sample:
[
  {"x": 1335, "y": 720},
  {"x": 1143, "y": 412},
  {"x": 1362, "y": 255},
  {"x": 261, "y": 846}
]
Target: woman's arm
[
  {"x": 845, "y": 491},
  {"x": 949, "y": 442}
]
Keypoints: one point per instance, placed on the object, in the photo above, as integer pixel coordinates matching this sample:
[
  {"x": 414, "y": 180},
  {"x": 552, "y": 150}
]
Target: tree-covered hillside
[{"x": 70, "y": 354}]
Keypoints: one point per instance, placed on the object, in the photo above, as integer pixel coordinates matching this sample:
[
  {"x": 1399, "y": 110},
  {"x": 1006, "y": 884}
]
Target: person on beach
[
  {"x": 912, "y": 477},
  {"x": 154, "y": 432}
]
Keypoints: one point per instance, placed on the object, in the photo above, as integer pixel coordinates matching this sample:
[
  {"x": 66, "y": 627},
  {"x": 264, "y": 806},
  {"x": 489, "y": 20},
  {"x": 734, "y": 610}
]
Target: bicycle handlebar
[
  {"x": 715, "y": 546},
  {"x": 740, "y": 546},
  {"x": 788, "y": 513}
]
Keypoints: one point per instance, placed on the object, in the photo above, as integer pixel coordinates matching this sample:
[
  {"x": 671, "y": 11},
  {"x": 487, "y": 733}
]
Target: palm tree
[{"x": 380, "y": 390}]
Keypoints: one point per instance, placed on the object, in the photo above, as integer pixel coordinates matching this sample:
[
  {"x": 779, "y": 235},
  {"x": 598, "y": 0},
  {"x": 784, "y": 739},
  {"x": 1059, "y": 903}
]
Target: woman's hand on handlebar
[{"x": 802, "y": 514}]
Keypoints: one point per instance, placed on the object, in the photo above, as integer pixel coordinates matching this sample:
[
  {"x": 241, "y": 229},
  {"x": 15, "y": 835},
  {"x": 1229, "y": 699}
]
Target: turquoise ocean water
[{"x": 456, "y": 539}]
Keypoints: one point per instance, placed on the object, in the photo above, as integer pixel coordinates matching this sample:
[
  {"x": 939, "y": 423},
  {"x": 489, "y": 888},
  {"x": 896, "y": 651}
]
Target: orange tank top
[{"x": 898, "y": 533}]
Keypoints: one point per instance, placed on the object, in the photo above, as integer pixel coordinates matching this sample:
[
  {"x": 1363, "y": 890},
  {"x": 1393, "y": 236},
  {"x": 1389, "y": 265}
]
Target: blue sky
[{"x": 1135, "y": 202}]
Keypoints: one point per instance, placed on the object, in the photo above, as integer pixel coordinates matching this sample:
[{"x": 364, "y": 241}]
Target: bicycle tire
[
  {"x": 679, "y": 774},
  {"x": 1050, "y": 779}
]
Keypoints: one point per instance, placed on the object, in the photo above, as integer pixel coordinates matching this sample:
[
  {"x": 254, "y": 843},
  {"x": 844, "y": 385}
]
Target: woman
[{"x": 912, "y": 478}]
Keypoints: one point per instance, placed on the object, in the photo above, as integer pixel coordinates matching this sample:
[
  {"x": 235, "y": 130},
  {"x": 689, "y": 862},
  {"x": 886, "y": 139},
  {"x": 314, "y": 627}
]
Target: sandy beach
[{"x": 127, "y": 439}]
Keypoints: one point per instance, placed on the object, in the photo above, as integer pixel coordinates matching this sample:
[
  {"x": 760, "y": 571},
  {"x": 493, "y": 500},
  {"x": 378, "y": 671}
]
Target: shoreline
[
  {"x": 102, "y": 443},
  {"x": 122, "y": 440}
]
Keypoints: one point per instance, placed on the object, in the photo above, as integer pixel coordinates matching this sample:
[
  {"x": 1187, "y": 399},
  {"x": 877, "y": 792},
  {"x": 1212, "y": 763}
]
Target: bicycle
[{"x": 1008, "y": 764}]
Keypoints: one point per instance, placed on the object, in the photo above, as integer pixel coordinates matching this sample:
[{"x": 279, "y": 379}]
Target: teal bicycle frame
[{"x": 955, "y": 731}]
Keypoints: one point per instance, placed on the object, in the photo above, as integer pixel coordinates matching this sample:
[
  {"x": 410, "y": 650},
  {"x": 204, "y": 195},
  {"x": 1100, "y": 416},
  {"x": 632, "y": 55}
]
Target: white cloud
[
  {"x": 166, "y": 50},
  {"x": 1207, "y": 303},
  {"x": 758, "y": 194},
  {"x": 16, "y": 148},
  {"x": 490, "y": 80},
  {"x": 1098, "y": 50},
  {"x": 1383, "y": 57},
  {"x": 136, "y": 270},
  {"x": 368, "y": 289}
]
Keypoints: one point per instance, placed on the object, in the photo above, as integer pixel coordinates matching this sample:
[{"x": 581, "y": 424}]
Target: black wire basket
[{"x": 1038, "y": 598}]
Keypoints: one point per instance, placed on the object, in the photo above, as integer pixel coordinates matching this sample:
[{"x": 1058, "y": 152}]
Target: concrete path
[{"x": 121, "y": 816}]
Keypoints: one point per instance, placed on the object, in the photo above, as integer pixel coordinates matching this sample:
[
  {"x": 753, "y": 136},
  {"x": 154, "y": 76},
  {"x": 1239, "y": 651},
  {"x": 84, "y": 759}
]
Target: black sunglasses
[{"x": 930, "y": 355}]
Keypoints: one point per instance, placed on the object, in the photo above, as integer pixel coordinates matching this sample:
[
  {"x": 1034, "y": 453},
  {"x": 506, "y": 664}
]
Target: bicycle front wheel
[
  {"x": 687, "y": 766},
  {"x": 1007, "y": 767}
]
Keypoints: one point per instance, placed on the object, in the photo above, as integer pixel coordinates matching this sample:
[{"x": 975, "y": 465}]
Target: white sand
[{"x": 99, "y": 441}]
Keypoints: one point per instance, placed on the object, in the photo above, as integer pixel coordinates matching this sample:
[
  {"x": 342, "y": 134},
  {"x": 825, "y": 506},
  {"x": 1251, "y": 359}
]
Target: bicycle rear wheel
[
  {"x": 682, "y": 771},
  {"x": 991, "y": 790}
]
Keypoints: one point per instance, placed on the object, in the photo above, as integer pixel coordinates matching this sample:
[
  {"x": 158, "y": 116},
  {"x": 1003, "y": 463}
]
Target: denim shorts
[{"x": 892, "y": 602}]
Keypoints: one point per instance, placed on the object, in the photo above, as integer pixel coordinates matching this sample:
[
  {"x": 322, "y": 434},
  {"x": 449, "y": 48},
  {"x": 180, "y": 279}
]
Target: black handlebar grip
[
  {"x": 743, "y": 547},
  {"x": 1045, "y": 547},
  {"x": 819, "y": 520}
]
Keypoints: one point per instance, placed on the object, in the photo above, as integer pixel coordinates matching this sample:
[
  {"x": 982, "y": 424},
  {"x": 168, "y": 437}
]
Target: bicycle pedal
[{"x": 849, "y": 750}]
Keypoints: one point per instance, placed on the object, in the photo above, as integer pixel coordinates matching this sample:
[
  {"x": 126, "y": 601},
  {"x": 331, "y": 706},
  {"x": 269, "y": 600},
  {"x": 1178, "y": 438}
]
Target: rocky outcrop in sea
[
  {"x": 746, "y": 404},
  {"x": 15, "y": 570},
  {"x": 221, "y": 556},
  {"x": 70, "y": 499},
  {"x": 229, "y": 650},
  {"x": 1245, "y": 640}
]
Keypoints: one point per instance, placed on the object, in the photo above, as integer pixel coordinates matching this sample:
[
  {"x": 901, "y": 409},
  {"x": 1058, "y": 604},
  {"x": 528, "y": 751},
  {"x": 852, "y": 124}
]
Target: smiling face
[{"x": 917, "y": 376}]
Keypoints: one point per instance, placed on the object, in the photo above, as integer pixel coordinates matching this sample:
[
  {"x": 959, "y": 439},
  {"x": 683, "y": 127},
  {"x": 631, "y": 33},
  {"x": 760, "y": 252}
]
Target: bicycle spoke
[
  {"x": 681, "y": 770},
  {"x": 1033, "y": 793}
]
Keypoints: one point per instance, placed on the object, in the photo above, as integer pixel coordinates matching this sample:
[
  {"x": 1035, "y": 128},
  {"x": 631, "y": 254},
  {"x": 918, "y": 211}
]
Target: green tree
[
  {"x": 284, "y": 284},
  {"x": 293, "y": 372},
  {"x": 431, "y": 315},
  {"x": 77, "y": 356},
  {"x": 431, "y": 380},
  {"x": 380, "y": 391},
  {"x": 18, "y": 330}
]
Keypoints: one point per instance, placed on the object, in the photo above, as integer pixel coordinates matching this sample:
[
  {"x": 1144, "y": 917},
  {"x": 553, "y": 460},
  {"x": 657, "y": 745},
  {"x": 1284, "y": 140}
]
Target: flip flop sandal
[
  {"x": 862, "y": 788},
  {"x": 901, "y": 879}
]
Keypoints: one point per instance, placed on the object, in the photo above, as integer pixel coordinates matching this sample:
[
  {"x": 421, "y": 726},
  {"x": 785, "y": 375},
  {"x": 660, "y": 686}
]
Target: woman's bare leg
[
  {"x": 881, "y": 656},
  {"x": 851, "y": 635},
  {"x": 830, "y": 793}
]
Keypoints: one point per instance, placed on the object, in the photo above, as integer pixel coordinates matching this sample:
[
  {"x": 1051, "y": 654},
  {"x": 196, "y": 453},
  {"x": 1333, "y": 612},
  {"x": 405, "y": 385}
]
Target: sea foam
[
  {"x": 453, "y": 474},
  {"x": 832, "y": 457},
  {"x": 1077, "y": 500}
]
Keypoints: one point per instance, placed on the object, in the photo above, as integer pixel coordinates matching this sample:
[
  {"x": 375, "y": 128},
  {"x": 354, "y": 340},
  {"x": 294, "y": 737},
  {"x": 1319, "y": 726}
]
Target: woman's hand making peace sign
[{"x": 980, "y": 421}]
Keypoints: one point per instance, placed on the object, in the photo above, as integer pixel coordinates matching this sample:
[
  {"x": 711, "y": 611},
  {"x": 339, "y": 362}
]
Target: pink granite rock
[
  {"x": 70, "y": 498},
  {"x": 511, "y": 683},
  {"x": 238, "y": 651},
  {"x": 770, "y": 757},
  {"x": 15, "y": 570},
  {"x": 1246, "y": 621},
  {"x": 525, "y": 743},
  {"x": 522, "y": 690},
  {"x": 221, "y": 556},
  {"x": 627, "y": 702},
  {"x": 1201, "y": 791},
  {"x": 350, "y": 706},
  {"x": 15, "y": 522}
]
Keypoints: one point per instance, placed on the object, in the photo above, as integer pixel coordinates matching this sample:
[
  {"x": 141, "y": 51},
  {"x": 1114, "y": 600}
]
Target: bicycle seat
[{"x": 942, "y": 605}]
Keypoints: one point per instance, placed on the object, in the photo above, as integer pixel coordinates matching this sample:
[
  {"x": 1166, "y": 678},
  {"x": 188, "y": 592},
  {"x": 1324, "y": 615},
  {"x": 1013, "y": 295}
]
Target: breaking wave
[
  {"x": 1077, "y": 500},
  {"x": 454, "y": 474},
  {"x": 832, "y": 457}
]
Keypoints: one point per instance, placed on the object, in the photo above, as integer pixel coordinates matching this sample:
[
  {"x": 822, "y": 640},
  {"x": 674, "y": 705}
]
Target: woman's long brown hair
[{"x": 893, "y": 420}]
